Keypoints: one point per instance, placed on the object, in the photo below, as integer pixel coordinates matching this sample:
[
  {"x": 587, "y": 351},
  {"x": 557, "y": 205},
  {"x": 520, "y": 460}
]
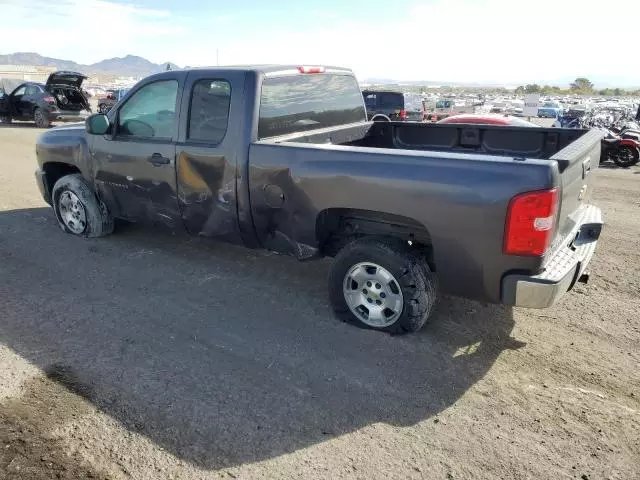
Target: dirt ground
[{"x": 152, "y": 356}]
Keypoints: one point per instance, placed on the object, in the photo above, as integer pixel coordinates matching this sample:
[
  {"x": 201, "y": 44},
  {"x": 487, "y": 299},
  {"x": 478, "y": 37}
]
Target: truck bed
[
  {"x": 533, "y": 143},
  {"x": 450, "y": 184}
]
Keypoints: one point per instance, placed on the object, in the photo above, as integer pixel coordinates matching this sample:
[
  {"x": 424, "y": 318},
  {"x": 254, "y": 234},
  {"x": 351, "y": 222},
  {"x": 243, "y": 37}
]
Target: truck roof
[{"x": 268, "y": 69}]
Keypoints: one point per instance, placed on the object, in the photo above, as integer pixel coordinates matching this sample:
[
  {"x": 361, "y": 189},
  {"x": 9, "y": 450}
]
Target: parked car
[
  {"x": 385, "y": 106},
  {"x": 110, "y": 99},
  {"x": 550, "y": 110},
  {"x": 60, "y": 99},
  {"x": 283, "y": 158},
  {"x": 488, "y": 119},
  {"x": 445, "y": 108}
]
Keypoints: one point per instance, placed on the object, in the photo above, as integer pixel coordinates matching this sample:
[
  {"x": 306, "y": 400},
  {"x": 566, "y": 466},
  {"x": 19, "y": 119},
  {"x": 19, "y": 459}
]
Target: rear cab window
[
  {"x": 297, "y": 103},
  {"x": 209, "y": 111}
]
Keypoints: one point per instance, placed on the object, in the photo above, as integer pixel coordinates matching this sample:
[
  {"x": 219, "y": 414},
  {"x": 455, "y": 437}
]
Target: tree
[
  {"x": 582, "y": 84},
  {"x": 532, "y": 88},
  {"x": 618, "y": 92},
  {"x": 520, "y": 90}
]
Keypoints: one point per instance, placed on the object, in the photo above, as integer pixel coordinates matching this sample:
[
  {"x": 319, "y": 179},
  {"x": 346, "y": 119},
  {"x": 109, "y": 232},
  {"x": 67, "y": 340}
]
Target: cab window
[
  {"x": 209, "y": 111},
  {"x": 150, "y": 112}
]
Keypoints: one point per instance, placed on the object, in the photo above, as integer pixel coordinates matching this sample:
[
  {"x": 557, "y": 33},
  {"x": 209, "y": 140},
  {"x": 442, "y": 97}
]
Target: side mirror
[{"x": 97, "y": 124}]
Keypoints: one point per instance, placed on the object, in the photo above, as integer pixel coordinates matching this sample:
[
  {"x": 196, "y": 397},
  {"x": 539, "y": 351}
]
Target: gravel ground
[{"x": 149, "y": 356}]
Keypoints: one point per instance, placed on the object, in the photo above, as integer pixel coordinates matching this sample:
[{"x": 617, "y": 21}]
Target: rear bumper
[
  {"x": 561, "y": 272},
  {"x": 68, "y": 116}
]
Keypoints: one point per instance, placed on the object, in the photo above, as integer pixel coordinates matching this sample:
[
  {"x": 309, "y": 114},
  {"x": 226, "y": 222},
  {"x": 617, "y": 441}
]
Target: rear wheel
[
  {"x": 40, "y": 119},
  {"x": 382, "y": 284},
  {"x": 78, "y": 210},
  {"x": 626, "y": 156}
]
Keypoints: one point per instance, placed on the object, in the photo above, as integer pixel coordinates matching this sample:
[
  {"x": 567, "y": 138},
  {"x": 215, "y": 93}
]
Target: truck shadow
[{"x": 218, "y": 354}]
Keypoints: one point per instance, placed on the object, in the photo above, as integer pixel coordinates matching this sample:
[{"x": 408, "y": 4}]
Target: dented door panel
[
  {"x": 206, "y": 167},
  {"x": 206, "y": 191}
]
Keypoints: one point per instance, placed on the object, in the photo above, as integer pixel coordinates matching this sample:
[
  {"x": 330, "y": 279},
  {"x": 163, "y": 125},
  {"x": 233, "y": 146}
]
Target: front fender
[{"x": 65, "y": 145}]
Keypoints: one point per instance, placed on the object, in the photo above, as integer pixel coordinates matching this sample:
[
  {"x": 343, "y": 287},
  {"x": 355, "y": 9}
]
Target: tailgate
[{"x": 577, "y": 163}]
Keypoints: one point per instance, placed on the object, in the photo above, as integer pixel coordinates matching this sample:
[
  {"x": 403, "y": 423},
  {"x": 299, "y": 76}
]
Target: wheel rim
[
  {"x": 373, "y": 294},
  {"x": 38, "y": 117},
  {"x": 72, "y": 212}
]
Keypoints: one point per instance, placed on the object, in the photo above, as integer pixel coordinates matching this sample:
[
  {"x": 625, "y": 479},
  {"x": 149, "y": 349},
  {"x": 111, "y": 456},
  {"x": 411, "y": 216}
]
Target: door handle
[{"x": 157, "y": 159}]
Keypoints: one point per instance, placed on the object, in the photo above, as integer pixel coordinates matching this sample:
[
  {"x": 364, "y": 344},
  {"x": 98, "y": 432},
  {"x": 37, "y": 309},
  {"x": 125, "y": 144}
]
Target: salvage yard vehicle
[
  {"x": 59, "y": 100},
  {"x": 283, "y": 158},
  {"x": 384, "y": 106},
  {"x": 110, "y": 99},
  {"x": 445, "y": 108},
  {"x": 488, "y": 119}
]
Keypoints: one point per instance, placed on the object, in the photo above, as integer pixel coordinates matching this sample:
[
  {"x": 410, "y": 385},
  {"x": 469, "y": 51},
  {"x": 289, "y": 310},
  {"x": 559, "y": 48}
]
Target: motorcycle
[
  {"x": 623, "y": 152},
  {"x": 629, "y": 130}
]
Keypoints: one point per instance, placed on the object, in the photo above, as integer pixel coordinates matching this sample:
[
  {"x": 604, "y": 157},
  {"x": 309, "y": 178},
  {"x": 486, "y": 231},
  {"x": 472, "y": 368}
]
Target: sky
[{"x": 508, "y": 42}]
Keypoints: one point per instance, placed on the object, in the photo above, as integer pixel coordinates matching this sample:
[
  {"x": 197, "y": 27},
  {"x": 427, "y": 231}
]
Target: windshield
[
  {"x": 297, "y": 103},
  {"x": 443, "y": 104}
]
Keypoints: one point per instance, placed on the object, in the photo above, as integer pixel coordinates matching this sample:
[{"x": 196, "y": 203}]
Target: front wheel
[
  {"x": 626, "y": 156},
  {"x": 78, "y": 210},
  {"x": 382, "y": 284}
]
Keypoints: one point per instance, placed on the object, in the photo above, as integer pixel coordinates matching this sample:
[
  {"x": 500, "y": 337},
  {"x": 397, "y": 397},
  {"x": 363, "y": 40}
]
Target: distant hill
[{"x": 129, "y": 66}]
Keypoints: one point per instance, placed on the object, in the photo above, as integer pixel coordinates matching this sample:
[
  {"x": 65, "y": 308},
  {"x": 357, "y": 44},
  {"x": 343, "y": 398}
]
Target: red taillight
[
  {"x": 50, "y": 99},
  {"x": 403, "y": 114},
  {"x": 307, "y": 69},
  {"x": 530, "y": 221}
]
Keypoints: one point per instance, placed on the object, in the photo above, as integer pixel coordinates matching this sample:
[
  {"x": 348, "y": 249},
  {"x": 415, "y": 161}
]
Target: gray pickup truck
[{"x": 283, "y": 158}]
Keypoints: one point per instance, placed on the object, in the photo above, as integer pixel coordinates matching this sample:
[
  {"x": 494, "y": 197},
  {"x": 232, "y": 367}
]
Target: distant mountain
[{"x": 129, "y": 66}]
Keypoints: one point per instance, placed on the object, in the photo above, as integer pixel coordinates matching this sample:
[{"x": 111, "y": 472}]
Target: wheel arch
[
  {"x": 380, "y": 118},
  {"x": 335, "y": 227},
  {"x": 54, "y": 171}
]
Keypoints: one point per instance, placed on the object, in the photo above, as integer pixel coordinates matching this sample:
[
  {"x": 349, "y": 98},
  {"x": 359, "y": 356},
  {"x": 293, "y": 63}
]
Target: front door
[
  {"x": 18, "y": 104},
  {"x": 135, "y": 165}
]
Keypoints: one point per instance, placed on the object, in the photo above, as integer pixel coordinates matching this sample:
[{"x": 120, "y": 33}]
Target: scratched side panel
[
  {"x": 461, "y": 200},
  {"x": 206, "y": 192}
]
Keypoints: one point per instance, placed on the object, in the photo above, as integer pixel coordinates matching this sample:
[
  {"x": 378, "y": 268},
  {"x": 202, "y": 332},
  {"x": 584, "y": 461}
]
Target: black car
[
  {"x": 384, "y": 106},
  {"x": 59, "y": 100}
]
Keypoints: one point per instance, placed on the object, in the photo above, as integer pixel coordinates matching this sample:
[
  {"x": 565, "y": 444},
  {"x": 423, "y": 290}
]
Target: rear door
[
  {"x": 135, "y": 165},
  {"x": 208, "y": 151},
  {"x": 391, "y": 103}
]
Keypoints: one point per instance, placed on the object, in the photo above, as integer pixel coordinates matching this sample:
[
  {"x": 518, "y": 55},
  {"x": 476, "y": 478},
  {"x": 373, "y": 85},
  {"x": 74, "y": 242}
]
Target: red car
[{"x": 488, "y": 119}]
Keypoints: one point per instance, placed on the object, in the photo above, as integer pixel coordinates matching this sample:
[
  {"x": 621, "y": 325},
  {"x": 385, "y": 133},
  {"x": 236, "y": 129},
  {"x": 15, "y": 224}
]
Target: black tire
[
  {"x": 102, "y": 108},
  {"x": 6, "y": 119},
  {"x": 98, "y": 220},
  {"x": 410, "y": 269},
  {"x": 626, "y": 156},
  {"x": 40, "y": 119}
]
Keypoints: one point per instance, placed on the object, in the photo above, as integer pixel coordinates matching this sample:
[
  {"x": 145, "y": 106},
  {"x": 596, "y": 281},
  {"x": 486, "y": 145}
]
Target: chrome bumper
[{"x": 568, "y": 264}]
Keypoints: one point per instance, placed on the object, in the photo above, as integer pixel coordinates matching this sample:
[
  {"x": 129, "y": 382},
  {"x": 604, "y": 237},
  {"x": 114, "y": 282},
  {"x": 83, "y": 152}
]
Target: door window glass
[
  {"x": 150, "y": 112},
  {"x": 19, "y": 92},
  {"x": 209, "y": 111}
]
